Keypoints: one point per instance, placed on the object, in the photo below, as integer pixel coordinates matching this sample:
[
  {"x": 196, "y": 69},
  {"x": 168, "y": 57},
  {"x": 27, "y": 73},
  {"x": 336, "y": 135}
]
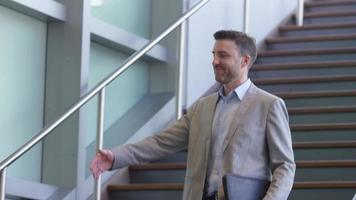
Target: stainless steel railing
[
  {"x": 99, "y": 88},
  {"x": 300, "y": 12}
]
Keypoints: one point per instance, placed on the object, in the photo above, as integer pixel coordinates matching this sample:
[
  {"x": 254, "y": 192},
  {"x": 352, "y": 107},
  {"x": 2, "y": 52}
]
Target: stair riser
[
  {"x": 335, "y": 135},
  {"x": 322, "y": 118},
  {"x": 324, "y": 194},
  {"x": 351, "y": 30},
  {"x": 328, "y": 20},
  {"x": 149, "y": 195},
  {"x": 303, "y": 72},
  {"x": 325, "y": 174},
  {"x": 306, "y": 58},
  {"x": 325, "y": 154},
  {"x": 157, "y": 176},
  {"x": 294, "y": 87},
  {"x": 332, "y": 8},
  {"x": 321, "y": 101},
  {"x": 312, "y": 45}
]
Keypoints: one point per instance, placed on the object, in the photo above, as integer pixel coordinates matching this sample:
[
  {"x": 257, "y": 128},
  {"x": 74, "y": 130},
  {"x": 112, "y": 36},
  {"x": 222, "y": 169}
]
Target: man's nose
[{"x": 215, "y": 61}]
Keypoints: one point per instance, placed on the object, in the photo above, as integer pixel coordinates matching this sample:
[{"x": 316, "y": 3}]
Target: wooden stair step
[
  {"x": 326, "y": 93},
  {"x": 308, "y": 65},
  {"x": 148, "y": 186},
  {"x": 329, "y": 14},
  {"x": 320, "y": 127},
  {"x": 179, "y": 186},
  {"x": 310, "y": 79},
  {"x": 328, "y": 3},
  {"x": 325, "y": 163},
  {"x": 313, "y": 38},
  {"x": 272, "y": 53},
  {"x": 324, "y": 184},
  {"x": 327, "y": 144},
  {"x": 302, "y": 163},
  {"x": 317, "y": 26},
  {"x": 322, "y": 109}
]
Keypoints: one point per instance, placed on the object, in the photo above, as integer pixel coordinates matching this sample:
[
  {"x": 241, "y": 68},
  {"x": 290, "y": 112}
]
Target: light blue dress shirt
[{"x": 225, "y": 110}]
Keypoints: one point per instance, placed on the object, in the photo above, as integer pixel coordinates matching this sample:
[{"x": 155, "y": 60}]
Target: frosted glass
[
  {"x": 122, "y": 93},
  {"x": 131, "y": 15},
  {"x": 22, "y": 68}
]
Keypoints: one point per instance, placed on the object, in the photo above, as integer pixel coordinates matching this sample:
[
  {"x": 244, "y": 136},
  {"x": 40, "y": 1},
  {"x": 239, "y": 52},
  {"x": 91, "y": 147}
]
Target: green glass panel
[
  {"x": 121, "y": 94},
  {"x": 131, "y": 15},
  {"x": 22, "y": 67}
]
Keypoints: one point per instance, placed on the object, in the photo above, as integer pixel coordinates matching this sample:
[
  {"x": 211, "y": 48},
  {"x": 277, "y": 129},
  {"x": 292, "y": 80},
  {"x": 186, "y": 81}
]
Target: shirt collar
[{"x": 240, "y": 91}]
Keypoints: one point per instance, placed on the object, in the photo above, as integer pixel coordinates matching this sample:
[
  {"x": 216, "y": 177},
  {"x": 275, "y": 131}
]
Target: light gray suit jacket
[{"x": 258, "y": 144}]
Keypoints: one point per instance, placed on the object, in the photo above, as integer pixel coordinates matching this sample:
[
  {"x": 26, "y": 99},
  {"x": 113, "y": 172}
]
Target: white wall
[{"x": 225, "y": 14}]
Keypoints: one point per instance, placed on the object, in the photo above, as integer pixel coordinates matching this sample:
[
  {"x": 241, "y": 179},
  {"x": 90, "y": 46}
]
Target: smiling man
[{"x": 240, "y": 130}]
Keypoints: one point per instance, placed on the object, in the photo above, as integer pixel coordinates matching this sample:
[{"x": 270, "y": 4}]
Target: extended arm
[{"x": 280, "y": 152}]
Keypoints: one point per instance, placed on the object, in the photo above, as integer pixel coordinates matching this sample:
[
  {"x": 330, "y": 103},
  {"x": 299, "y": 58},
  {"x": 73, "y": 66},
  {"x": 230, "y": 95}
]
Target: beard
[{"x": 223, "y": 78}]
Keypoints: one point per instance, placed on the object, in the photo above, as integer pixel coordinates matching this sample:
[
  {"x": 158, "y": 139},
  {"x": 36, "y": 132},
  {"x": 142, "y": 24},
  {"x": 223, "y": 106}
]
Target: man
[{"x": 240, "y": 130}]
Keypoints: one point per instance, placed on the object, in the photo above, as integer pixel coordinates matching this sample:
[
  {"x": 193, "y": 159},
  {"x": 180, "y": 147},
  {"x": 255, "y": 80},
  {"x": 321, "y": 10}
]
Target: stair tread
[
  {"x": 325, "y": 144},
  {"x": 301, "y": 163},
  {"x": 309, "y": 79},
  {"x": 308, "y": 94},
  {"x": 323, "y": 184},
  {"x": 323, "y": 126},
  {"x": 325, "y": 163},
  {"x": 307, "y": 65},
  {"x": 306, "y": 52},
  {"x": 329, "y": 3},
  {"x": 321, "y": 109},
  {"x": 330, "y": 14},
  {"x": 310, "y": 38},
  {"x": 146, "y": 186},
  {"x": 317, "y": 26},
  {"x": 179, "y": 186}
]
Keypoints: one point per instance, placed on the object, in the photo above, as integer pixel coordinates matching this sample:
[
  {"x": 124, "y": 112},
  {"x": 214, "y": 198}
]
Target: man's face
[{"x": 227, "y": 62}]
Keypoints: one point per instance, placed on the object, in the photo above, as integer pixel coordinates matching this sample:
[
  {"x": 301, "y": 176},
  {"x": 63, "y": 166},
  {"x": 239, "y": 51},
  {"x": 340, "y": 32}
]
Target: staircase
[{"x": 313, "y": 68}]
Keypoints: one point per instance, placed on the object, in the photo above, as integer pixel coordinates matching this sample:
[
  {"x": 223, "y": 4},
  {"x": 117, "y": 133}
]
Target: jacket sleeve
[
  {"x": 280, "y": 152},
  {"x": 154, "y": 147}
]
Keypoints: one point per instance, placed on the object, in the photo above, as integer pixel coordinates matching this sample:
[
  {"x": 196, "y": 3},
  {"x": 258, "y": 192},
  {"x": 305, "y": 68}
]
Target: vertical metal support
[
  {"x": 99, "y": 137},
  {"x": 246, "y": 16},
  {"x": 180, "y": 73},
  {"x": 2, "y": 184},
  {"x": 300, "y": 12}
]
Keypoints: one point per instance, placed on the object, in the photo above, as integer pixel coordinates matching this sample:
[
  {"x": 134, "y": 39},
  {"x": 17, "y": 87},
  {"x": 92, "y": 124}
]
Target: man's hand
[{"x": 102, "y": 161}]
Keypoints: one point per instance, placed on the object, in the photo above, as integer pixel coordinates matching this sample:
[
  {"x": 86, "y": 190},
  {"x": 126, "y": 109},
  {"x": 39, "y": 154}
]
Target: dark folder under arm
[{"x": 244, "y": 188}]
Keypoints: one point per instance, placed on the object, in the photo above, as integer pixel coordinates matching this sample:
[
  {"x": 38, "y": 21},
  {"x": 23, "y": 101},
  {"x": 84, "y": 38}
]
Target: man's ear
[{"x": 246, "y": 60}]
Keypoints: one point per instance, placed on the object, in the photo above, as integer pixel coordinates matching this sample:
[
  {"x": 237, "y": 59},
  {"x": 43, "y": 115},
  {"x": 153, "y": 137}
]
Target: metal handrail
[
  {"x": 246, "y": 23},
  {"x": 300, "y": 12},
  {"x": 128, "y": 62}
]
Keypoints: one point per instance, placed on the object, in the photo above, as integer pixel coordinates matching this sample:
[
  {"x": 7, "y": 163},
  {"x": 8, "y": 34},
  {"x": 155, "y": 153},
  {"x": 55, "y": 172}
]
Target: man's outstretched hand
[{"x": 102, "y": 161}]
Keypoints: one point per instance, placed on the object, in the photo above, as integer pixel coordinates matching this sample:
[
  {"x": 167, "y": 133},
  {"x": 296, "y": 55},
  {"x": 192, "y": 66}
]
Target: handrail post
[
  {"x": 180, "y": 72},
  {"x": 246, "y": 16},
  {"x": 99, "y": 137},
  {"x": 2, "y": 184},
  {"x": 300, "y": 12}
]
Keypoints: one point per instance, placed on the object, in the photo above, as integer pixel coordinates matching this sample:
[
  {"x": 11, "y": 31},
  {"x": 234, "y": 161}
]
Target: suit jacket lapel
[
  {"x": 243, "y": 107},
  {"x": 209, "y": 113}
]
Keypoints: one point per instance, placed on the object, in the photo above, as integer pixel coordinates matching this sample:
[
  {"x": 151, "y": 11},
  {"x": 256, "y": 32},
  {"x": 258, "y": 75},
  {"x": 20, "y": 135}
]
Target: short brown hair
[{"x": 246, "y": 44}]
